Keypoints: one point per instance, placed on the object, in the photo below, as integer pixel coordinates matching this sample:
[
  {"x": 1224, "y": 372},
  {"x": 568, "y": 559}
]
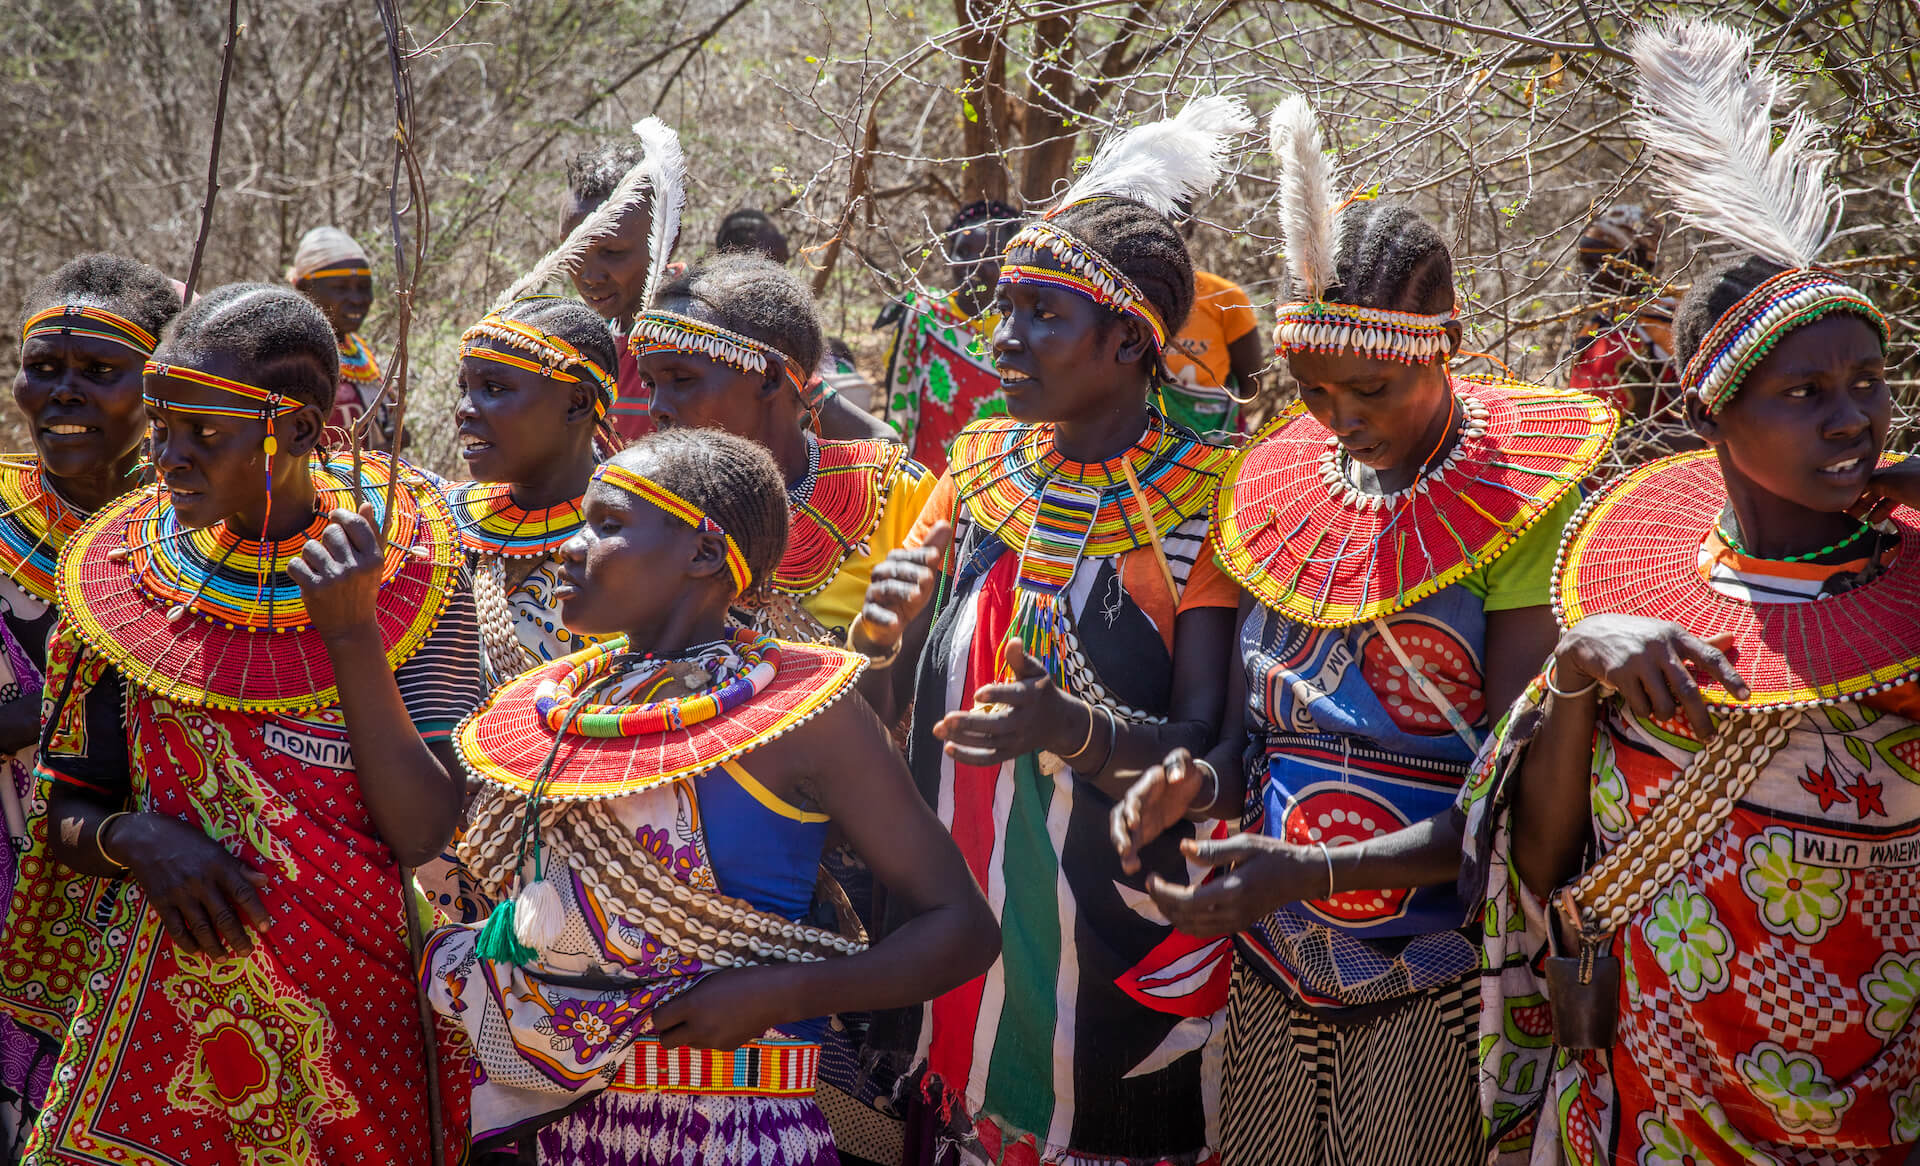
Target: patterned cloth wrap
[
  {"x": 307, "y": 1050},
  {"x": 310, "y": 1048},
  {"x": 1350, "y": 752},
  {"x": 1767, "y": 992},
  {"x": 940, "y": 378}
]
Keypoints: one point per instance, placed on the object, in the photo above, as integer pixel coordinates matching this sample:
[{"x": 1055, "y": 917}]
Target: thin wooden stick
[{"x": 213, "y": 154}]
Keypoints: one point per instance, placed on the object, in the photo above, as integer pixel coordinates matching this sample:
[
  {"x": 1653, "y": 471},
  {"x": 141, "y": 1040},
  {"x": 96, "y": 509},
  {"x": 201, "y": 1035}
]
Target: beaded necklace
[
  {"x": 1740, "y": 548},
  {"x": 357, "y": 362},
  {"x": 34, "y": 525},
  {"x": 490, "y": 522},
  {"x": 641, "y": 711}
]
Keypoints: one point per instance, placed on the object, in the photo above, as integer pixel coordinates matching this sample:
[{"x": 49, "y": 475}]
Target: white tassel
[
  {"x": 1705, "y": 110},
  {"x": 538, "y": 916},
  {"x": 1164, "y": 163}
]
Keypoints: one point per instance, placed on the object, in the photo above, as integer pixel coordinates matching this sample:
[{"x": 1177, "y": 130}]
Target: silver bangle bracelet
[
  {"x": 1556, "y": 690},
  {"x": 1328, "y": 855},
  {"x": 1208, "y": 807}
]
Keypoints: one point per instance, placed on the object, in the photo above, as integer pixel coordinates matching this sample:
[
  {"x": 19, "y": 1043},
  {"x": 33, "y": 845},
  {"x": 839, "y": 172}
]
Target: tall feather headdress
[
  {"x": 1164, "y": 163},
  {"x": 1159, "y": 165},
  {"x": 1705, "y": 110},
  {"x": 661, "y": 171},
  {"x": 1309, "y": 219},
  {"x": 1310, "y": 230}
]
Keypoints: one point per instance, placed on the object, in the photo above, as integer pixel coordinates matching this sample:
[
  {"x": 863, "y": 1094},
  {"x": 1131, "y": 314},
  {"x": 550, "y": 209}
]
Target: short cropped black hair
[
  {"x": 1143, "y": 245},
  {"x": 756, "y": 297},
  {"x": 733, "y": 481},
  {"x": 748, "y": 229},
  {"x": 123, "y": 286},
  {"x": 286, "y": 344},
  {"x": 592, "y": 176},
  {"x": 1390, "y": 258}
]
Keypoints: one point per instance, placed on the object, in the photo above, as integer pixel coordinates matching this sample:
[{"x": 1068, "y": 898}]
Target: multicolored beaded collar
[
  {"x": 1322, "y": 326},
  {"x": 1002, "y": 468},
  {"x": 558, "y": 698},
  {"x": 642, "y": 486},
  {"x": 510, "y": 740},
  {"x": 35, "y": 523},
  {"x": 1635, "y": 549},
  {"x": 357, "y": 362},
  {"x": 554, "y": 355},
  {"x": 658, "y": 331},
  {"x": 1086, "y": 273},
  {"x": 86, "y": 320},
  {"x": 186, "y": 613},
  {"x": 1747, "y": 331},
  {"x": 1307, "y": 543},
  {"x": 835, "y": 510},
  {"x": 491, "y": 523}
]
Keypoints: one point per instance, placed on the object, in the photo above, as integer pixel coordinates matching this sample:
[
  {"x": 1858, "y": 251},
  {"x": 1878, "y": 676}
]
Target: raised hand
[
  {"x": 1021, "y": 715},
  {"x": 900, "y": 588},
  {"x": 1645, "y": 661},
  {"x": 339, "y": 572},
  {"x": 1155, "y": 803}
]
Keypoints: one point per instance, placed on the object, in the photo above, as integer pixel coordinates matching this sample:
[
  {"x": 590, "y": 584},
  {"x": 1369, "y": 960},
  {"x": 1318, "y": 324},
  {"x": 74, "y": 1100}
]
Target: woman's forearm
[
  {"x": 1551, "y": 811},
  {"x": 932, "y": 953},
  {"x": 19, "y": 723},
  {"x": 1425, "y": 854},
  {"x": 413, "y": 800}
]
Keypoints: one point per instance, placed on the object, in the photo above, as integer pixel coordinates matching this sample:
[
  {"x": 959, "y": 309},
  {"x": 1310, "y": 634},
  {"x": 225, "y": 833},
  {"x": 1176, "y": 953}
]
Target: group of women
[{"x": 1110, "y": 797}]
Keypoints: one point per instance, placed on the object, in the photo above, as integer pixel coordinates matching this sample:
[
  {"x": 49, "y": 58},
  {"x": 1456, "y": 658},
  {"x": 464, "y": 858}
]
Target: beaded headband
[
  {"x": 658, "y": 331},
  {"x": 270, "y": 405},
  {"x": 555, "y": 354},
  {"x": 1087, "y": 273},
  {"x": 1747, "y": 331},
  {"x": 645, "y": 487},
  {"x": 95, "y": 322},
  {"x": 334, "y": 272},
  {"x": 1320, "y": 326}
]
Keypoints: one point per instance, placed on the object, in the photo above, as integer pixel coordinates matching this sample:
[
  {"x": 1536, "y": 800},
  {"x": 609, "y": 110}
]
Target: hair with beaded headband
[{"x": 1705, "y": 108}]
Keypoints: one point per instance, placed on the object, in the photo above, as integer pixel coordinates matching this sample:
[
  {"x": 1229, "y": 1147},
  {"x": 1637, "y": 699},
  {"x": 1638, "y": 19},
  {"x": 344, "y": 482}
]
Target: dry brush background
[{"x": 861, "y": 124}]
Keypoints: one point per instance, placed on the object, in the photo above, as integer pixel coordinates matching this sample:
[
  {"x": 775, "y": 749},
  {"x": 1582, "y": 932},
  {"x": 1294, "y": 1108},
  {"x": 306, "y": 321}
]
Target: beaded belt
[{"x": 766, "y": 1068}]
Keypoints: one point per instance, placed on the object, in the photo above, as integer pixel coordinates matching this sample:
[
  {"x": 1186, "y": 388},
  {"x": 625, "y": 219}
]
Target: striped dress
[{"x": 1095, "y": 1038}]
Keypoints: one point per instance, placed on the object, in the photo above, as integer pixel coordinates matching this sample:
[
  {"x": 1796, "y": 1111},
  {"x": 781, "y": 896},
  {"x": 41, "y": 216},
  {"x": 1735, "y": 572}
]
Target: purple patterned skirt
[{"x": 689, "y": 1129}]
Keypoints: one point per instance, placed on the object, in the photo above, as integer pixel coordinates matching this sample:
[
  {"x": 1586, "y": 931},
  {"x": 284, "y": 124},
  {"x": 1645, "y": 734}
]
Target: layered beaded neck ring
[
  {"x": 34, "y": 524},
  {"x": 1307, "y": 542},
  {"x": 658, "y": 331},
  {"x": 204, "y": 616},
  {"x": 357, "y": 362},
  {"x": 607, "y": 723},
  {"x": 490, "y": 522},
  {"x": 1024, "y": 493}
]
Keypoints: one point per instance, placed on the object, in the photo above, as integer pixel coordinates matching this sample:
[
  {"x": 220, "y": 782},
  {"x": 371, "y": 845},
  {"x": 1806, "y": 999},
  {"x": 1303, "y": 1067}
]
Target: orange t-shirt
[{"x": 1221, "y": 315}]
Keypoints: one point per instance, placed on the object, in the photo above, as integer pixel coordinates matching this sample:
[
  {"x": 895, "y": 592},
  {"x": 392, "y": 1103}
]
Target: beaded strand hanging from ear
[{"x": 268, "y": 407}]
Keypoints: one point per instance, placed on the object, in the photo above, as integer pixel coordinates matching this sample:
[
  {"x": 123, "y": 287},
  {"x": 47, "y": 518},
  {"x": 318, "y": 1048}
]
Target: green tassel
[{"x": 498, "y": 944}]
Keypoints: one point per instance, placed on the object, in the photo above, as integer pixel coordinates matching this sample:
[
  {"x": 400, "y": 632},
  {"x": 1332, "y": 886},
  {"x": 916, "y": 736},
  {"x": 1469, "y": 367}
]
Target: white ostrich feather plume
[
  {"x": 1309, "y": 219},
  {"x": 661, "y": 155},
  {"x": 1165, "y": 162},
  {"x": 1705, "y": 110},
  {"x": 667, "y": 170}
]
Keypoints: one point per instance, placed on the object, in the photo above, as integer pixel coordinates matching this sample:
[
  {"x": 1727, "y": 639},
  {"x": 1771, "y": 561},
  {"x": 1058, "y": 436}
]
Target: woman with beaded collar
[
  {"x": 727, "y": 346},
  {"x": 1070, "y": 645},
  {"x": 1394, "y": 533},
  {"x": 1704, "y": 812},
  {"x": 250, "y": 699},
  {"x": 90, "y": 326},
  {"x": 652, "y": 815}
]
